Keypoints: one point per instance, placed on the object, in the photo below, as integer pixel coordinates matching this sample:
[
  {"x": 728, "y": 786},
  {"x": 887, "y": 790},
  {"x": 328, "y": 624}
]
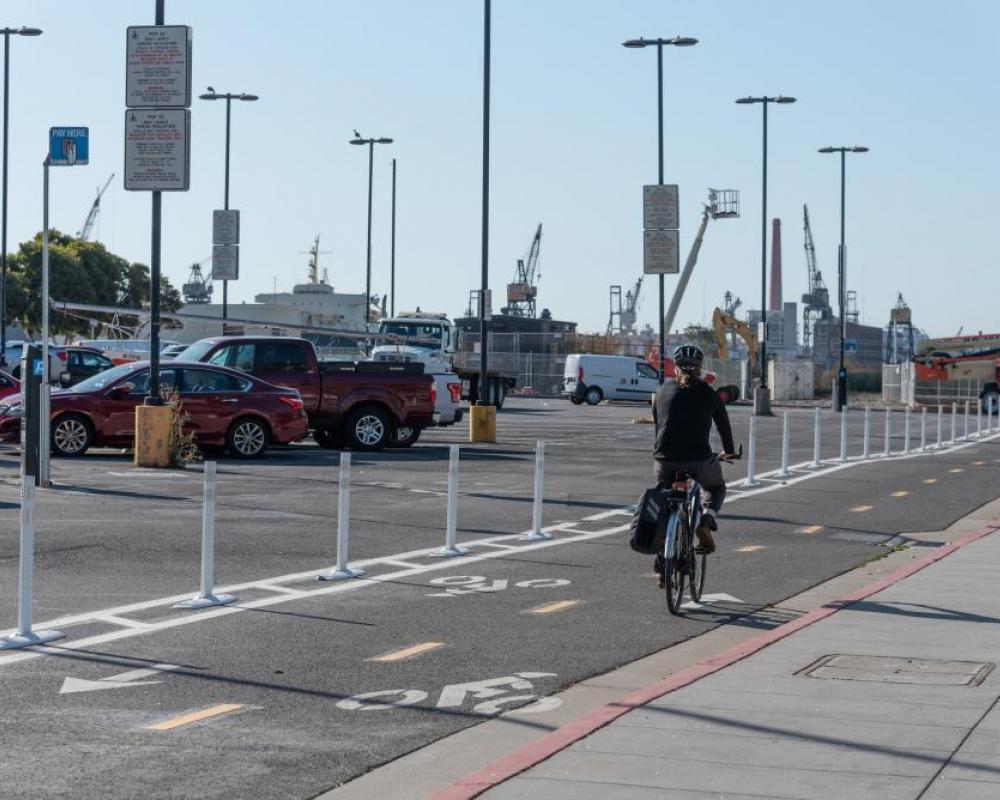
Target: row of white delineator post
[
  {"x": 866, "y": 453},
  {"x": 206, "y": 597}
]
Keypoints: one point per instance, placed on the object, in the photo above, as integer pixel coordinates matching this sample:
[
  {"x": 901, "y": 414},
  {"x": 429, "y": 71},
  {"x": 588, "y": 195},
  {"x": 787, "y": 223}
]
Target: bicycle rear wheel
[
  {"x": 674, "y": 565},
  {"x": 697, "y": 566}
]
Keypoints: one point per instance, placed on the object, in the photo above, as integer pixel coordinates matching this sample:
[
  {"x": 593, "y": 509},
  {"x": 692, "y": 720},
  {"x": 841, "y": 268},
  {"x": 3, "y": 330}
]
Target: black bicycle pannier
[{"x": 649, "y": 522}]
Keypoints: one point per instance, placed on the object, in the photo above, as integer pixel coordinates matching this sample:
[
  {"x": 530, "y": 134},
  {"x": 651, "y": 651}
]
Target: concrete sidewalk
[{"x": 892, "y": 696}]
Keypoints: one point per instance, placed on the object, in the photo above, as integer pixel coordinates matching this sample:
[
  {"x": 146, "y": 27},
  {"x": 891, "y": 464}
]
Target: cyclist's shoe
[{"x": 706, "y": 543}]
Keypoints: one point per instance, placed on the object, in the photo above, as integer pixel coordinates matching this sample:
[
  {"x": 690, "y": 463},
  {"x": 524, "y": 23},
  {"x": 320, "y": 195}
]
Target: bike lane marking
[
  {"x": 900, "y": 493},
  {"x": 750, "y": 548},
  {"x": 809, "y": 529},
  {"x": 195, "y": 716},
  {"x": 861, "y": 509},
  {"x": 406, "y": 653},
  {"x": 552, "y": 608}
]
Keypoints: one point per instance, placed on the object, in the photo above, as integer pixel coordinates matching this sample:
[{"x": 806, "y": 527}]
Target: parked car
[
  {"x": 81, "y": 363},
  {"x": 8, "y": 385},
  {"x": 224, "y": 407},
  {"x": 363, "y": 406},
  {"x": 57, "y": 359},
  {"x": 171, "y": 351},
  {"x": 592, "y": 378}
]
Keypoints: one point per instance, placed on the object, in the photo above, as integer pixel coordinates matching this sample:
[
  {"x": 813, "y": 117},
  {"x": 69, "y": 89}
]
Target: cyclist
[{"x": 684, "y": 411}]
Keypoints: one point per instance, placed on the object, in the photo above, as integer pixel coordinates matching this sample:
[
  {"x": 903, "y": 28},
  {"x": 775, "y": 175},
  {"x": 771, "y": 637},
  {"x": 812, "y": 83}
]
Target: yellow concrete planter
[
  {"x": 152, "y": 436},
  {"x": 482, "y": 424}
]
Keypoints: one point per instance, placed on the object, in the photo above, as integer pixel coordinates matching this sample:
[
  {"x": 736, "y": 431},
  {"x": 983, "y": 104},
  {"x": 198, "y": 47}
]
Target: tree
[
  {"x": 79, "y": 272},
  {"x": 702, "y": 336}
]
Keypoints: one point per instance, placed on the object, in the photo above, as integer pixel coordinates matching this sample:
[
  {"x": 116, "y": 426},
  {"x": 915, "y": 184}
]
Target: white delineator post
[
  {"x": 954, "y": 417},
  {"x": 940, "y": 425},
  {"x": 965, "y": 434},
  {"x": 451, "y": 548},
  {"x": 816, "y": 458},
  {"x": 843, "y": 435},
  {"x": 888, "y": 433},
  {"x": 979, "y": 421},
  {"x": 343, "y": 571},
  {"x": 923, "y": 429},
  {"x": 537, "y": 534},
  {"x": 751, "y": 479},
  {"x": 783, "y": 472},
  {"x": 866, "y": 452},
  {"x": 906, "y": 431},
  {"x": 207, "y": 596},
  {"x": 25, "y": 637}
]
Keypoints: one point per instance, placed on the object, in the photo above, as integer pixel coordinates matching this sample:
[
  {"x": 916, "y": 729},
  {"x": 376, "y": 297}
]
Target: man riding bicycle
[{"x": 684, "y": 411}]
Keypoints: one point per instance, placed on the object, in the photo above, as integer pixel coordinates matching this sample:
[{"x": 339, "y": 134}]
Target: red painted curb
[{"x": 475, "y": 783}]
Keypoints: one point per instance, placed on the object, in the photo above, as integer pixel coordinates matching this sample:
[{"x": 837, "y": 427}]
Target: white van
[{"x": 589, "y": 378}]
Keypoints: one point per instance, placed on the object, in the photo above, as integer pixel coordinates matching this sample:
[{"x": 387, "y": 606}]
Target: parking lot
[{"x": 300, "y": 685}]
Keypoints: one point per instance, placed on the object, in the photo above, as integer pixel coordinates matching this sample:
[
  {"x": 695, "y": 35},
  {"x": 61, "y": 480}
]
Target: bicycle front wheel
[{"x": 673, "y": 562}]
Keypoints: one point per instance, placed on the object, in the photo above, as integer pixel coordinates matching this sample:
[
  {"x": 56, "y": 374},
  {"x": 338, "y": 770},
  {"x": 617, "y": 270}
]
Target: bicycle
[{"x": 684, "y": 510}]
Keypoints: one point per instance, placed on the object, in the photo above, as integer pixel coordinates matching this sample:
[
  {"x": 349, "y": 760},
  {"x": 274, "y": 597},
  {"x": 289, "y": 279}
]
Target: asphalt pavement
[{"x": 300, "y": 686}]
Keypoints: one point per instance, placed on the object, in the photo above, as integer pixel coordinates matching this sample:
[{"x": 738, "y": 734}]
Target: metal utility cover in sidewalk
[{"x": 896, "y": 669}]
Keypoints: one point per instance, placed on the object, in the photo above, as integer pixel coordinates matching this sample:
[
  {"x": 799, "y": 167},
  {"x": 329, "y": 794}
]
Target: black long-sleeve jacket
[{"x": 683, "y": 417}]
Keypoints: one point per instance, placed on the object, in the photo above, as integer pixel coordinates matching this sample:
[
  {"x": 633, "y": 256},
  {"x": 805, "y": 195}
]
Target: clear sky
[{"x": 574, "y": 139}]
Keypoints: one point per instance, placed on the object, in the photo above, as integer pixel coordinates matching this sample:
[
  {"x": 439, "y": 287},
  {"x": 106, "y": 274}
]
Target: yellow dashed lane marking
[
  {"x": 810, "y": 529},
  {"x": 862, "y": 508},
  {"x": 930, "y": 480},
  {"x": 750, "y": 548},
  {"x": 979, "y": 463},
  {"x": 956, "y": 470},
  {"x": 901, "y": 493},
  {"x": 195, "y": 716},
  {"x": 408, "y": 652},
  {"x": 551, "y": 608}
]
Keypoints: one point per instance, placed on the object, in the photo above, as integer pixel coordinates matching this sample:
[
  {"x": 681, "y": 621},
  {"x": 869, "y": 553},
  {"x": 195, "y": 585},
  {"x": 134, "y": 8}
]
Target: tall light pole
[
  {"x": 371, "y": 155},
  {"x": 7, "y": 33},
  {"x": 392, "y": 258},
  {"x": 762, "y": 397},
  {"x": 842, "y": 270},
  {"x": 211, "y": 94},
  {"x": 676, "y": 41}
]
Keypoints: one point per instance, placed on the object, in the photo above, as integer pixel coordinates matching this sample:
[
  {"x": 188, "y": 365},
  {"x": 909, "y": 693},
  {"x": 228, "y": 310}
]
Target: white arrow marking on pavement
[
  {"x": 708, "y": 599},
  {"x": 122, "y": 681}
]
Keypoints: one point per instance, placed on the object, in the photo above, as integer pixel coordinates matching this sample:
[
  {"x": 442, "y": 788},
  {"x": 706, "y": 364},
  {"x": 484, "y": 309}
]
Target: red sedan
[
  {"x": 8, "y": 385},
  {"x": 224, "y": 407}
]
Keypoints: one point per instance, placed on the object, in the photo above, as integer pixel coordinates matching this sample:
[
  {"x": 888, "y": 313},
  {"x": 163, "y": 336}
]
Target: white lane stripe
[{"x": 114, "y": 619}]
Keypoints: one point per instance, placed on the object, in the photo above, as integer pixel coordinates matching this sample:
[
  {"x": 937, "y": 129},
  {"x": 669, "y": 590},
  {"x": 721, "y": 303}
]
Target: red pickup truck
[{"x": 360, "y": 406}]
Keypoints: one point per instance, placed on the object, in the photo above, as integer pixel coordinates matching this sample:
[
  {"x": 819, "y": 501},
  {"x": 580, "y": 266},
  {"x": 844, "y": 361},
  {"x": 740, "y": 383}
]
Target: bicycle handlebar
[{"x": 727, "y": 458}]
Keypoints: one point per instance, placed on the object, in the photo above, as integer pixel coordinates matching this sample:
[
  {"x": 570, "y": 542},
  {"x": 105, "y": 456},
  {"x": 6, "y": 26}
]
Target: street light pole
[
  {"x": 841, "y": 400},
  {"x": 392, "y": 258},
  {"x": 482, "y": 395},
  {"x": 677, "y": 41},
  {"x": 762, "y": 397},
  {"x": 7, "y": 33},
  {"x": 358, "y": 140},
  {"x": 211, "y": 94}
]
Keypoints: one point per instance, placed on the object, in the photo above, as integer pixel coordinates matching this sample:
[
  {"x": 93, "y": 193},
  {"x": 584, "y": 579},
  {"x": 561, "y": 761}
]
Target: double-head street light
[
  {"x": 7, "y": 33},
  {"x": 676, "y": 41},
  {"x": 841, "y": 272},
  {"x": 359, "y": 140},
  {"x": 762, "y": 400},
  {"x": 211, "y": 94}
]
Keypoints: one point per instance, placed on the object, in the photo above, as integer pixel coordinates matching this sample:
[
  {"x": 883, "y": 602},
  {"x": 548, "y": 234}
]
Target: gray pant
[{"x": 707, "y": 473}]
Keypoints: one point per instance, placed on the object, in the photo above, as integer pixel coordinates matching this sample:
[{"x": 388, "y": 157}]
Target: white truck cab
[{"x": 427, "y": 338}]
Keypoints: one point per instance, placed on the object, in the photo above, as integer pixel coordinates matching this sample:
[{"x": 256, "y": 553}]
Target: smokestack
[{"x": 775, "y": 304}]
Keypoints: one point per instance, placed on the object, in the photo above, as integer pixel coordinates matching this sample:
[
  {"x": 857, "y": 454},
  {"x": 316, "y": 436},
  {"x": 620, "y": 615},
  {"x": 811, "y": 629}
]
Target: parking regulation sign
[
  {"x": 225, "y": 262},
  {"x": 157, "y": 146},
  {"x": 68, "y": 146},
  {"x": 661, "y": 252}
]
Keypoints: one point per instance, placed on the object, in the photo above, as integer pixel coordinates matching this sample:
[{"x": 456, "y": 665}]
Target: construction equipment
[
  {"x": 626, "y": 314},
  {"x": 722, "y": 204},
  {"x": 197, "y": 289},
  {"x": 521, "y": 293},
  {"x": 723, "y": 322},
  {"x": 963, "y": 358},
  {"x": 88, "y": 224},
  {"x": 816, "y": 301}
]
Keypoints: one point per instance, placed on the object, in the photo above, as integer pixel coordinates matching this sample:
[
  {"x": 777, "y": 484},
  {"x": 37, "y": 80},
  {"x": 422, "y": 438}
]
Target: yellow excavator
[{"x": 722, "y": 322}]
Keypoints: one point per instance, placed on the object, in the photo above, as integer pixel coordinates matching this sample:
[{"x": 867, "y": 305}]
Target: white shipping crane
[{"x": 88, "y": 224}]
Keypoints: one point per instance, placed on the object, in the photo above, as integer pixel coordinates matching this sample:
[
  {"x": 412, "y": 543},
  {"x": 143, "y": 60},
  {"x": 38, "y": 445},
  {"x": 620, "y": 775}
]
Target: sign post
[
  {"x": 68, "y": 147},
  {"x": 661, "y": 238},
  {"x": 157, "y": 159}
]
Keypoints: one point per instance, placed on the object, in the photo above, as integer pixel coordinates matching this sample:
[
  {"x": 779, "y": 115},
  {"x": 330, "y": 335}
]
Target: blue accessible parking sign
[{"x": 68, "y": 146}]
